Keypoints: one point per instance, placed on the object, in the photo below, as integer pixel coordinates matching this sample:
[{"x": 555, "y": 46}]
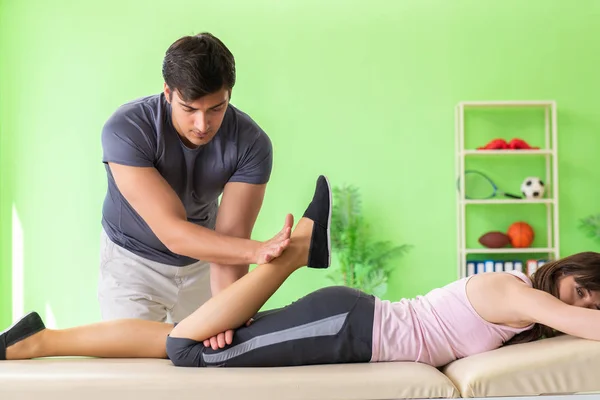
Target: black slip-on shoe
[
  {"x": 28, "y": 325},
  {"x": 319, "y": 211}
]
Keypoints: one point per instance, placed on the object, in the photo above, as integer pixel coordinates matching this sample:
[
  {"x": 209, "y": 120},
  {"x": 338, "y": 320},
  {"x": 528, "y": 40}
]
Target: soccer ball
[{"x": 533, "y": 188}]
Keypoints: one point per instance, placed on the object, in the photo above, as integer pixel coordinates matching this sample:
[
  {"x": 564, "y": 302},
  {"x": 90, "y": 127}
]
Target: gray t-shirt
[{"x": 140, "y": 133}]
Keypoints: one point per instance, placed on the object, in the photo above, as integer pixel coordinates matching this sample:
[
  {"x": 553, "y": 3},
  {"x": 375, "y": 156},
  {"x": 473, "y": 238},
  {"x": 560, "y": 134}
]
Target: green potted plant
[
  {"x": 363, "y": 263},
  {"x": 591, "y": 226}
]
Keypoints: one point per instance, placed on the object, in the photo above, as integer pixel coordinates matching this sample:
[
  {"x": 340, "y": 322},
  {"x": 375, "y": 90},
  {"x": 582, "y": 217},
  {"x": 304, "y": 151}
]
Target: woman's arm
[{"x": 543, "y": 308}]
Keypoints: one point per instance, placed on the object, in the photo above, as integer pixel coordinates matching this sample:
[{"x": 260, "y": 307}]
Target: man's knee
[{"x": 185, "y": 352}]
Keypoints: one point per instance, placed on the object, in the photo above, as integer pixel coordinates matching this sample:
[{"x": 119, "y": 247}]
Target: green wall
[
  {"x": 5, "y": 178},
  {"x": 361, "y": 91}
]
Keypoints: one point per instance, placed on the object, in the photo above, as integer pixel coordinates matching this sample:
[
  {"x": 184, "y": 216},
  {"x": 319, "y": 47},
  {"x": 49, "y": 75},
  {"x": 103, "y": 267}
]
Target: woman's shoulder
[
  {"x": 522, "y": 276},
  {"x": 496, "y": 287},
  {"x": 494, "y": 295},
  {"x": 498, "y": 279}
]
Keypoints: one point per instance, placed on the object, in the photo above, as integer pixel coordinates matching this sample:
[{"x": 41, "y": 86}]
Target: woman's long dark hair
[{"x": 585, "y": 267}]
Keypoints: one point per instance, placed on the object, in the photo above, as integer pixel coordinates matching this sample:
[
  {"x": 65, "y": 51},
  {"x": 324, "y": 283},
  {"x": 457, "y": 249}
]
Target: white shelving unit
[{"x": 548, "y": 151}]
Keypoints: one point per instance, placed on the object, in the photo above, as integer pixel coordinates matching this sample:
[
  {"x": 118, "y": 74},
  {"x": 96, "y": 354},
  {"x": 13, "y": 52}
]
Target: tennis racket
[{"x": 480, "y": 186}]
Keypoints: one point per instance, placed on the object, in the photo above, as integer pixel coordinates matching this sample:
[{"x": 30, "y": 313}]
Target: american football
[{"x": 494, "y": 239}]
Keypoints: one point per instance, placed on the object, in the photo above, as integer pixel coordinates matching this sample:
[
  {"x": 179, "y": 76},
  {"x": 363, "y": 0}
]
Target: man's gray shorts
[{"x": 131, "y": 286}]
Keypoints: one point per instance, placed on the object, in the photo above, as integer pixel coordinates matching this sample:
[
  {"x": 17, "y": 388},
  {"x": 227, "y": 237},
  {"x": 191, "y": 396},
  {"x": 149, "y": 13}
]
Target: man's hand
[
  {"x": 222, "y": 339},
  {"x": 275, "y": 246}
]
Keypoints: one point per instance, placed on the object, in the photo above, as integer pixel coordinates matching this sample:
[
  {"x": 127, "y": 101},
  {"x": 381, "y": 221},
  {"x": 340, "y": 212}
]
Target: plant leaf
[
  {"x": 363, "y": 263},
  {"x": 591, "y": 226}
]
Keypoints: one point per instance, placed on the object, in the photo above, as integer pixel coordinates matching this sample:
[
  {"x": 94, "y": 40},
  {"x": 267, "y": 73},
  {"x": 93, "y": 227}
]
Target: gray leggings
[{"x": 330, "y": 325}]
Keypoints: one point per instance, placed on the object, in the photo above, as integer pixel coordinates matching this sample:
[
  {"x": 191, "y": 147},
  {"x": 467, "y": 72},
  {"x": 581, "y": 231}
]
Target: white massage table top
[{"x": 149, "y": 379}]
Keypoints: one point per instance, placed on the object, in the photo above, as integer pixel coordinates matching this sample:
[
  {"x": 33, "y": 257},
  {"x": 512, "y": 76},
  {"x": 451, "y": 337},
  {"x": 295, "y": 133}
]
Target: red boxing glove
[
  {"x": 520, "y": 144},
  {"x": 496, "y": 144}
]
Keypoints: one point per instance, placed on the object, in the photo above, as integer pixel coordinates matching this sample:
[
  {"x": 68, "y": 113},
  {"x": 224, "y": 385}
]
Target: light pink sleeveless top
[{"x": 437, "y": 328}]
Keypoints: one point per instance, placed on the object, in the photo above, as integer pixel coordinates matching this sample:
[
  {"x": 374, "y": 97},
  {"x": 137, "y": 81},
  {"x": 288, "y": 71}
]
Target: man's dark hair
[{"x": 198, "y": 65}]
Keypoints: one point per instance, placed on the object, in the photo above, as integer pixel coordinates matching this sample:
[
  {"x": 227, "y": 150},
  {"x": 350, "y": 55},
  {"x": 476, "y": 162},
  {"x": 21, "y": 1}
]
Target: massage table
[{"x": 563, "y": 367}]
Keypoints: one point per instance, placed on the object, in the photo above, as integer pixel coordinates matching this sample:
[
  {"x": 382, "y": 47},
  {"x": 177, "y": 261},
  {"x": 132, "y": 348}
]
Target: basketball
[{"x": 520, "y": 234}]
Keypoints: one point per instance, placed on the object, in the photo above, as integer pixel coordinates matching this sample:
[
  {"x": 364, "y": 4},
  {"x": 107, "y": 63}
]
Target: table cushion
[{"x": 560, "y": 365}]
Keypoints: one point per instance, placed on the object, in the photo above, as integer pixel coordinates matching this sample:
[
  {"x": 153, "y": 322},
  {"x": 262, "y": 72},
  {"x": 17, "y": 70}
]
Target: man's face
[{"x": 197, "y": 122}]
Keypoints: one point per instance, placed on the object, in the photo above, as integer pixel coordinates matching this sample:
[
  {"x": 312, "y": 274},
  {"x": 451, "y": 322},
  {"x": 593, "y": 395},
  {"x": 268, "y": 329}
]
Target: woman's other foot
[{"x": 18, "y": 341}]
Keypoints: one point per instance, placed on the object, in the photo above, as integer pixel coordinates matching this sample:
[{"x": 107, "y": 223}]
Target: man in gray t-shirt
[{"x": 167, "y": 243}]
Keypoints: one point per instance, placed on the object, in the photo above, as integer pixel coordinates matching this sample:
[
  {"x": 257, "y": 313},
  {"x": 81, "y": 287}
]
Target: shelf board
[
  {"x": 509, "y": 201},
  {"x": 506, "y": 152},
  {"x": 509, "y": 250},
  {"x": 509, "y": 103}
]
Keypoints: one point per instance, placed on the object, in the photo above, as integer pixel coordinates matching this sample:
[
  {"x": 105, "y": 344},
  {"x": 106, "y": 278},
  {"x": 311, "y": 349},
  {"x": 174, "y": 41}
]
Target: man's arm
[
  {"x": 239, "y": 208},
  {"x": 158, "y": 205}
]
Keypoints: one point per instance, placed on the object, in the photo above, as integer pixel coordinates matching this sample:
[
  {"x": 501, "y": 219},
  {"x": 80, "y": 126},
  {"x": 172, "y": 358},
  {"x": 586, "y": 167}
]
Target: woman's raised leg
[{"x": 232, "y": 307}]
